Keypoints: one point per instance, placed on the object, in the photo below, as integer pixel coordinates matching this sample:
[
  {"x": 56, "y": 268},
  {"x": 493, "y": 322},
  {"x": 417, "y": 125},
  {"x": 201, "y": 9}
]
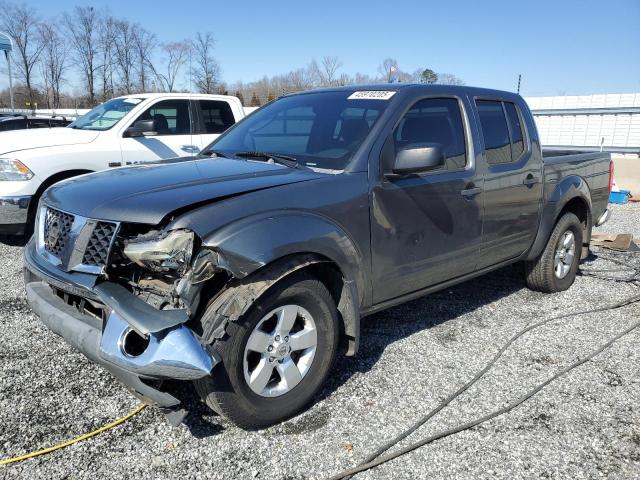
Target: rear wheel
[
  {"x": 276, "y": 357},
  {"x": 556, "y": 267}
]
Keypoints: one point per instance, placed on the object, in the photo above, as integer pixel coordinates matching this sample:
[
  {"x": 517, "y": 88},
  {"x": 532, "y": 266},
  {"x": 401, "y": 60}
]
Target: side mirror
[
  {"x": 418, "y": 157},
  {"x": 141, "y": 128}
]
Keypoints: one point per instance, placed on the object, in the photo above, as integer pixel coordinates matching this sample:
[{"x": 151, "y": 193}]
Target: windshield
[
  {"x": 321, "y": 129},
  {"x": 106, "y": 115}
]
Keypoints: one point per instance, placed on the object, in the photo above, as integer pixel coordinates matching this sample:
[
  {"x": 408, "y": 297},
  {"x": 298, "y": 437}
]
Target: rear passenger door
[
  {"x": 173, "y": 123},
  {"x": 426, "y": 227},
  {"x": 214, "y": 117},
  {"x": 512, "y": 182}
]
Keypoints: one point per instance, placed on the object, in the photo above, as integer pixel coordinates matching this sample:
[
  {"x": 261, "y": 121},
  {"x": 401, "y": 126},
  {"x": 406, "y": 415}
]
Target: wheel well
[
  {"x": 341, "y": 290},
  {"x": 580, "y": 209},
  {"x": 331, "y": 276},
  {"x": 47, "y": 183}
]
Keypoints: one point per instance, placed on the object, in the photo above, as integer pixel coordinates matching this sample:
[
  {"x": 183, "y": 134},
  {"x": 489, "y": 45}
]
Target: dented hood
[
  {"x": 27, "y": 139},
  {"x": 148, "y": 193}
]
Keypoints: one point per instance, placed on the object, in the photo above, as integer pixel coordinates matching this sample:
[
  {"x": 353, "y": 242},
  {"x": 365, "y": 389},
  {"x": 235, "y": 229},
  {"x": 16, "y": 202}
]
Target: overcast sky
[{"x": 559, "y": 47}]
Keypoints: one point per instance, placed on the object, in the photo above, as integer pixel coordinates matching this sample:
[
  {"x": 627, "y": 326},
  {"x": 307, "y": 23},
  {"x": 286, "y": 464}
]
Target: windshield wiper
[{"x": 285, "y": 160}]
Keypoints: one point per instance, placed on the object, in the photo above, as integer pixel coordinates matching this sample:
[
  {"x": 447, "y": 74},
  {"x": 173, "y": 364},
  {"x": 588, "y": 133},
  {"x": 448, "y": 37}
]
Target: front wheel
[
  {"x": 556, "y": 267},
  {"x": 276, "y": 357}
]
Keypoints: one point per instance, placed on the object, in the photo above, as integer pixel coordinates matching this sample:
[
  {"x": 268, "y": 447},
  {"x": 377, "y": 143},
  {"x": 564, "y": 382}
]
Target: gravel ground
[{"x": 585, "y": 425}]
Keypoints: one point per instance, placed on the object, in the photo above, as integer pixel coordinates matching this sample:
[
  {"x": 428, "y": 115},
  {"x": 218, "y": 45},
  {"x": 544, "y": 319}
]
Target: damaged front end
[
  {"x": 150, "y": 332},
  {"x": 134, "y": 313}
]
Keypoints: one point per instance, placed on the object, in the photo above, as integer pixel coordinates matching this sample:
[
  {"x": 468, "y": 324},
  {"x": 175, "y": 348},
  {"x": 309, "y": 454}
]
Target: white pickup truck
[{"x": 125, "y": 130}]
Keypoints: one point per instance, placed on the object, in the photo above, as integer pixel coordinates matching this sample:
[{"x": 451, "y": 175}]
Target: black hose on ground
[
  {"x": 465, "y": 426},
  {"x": 370, "y": 461}
]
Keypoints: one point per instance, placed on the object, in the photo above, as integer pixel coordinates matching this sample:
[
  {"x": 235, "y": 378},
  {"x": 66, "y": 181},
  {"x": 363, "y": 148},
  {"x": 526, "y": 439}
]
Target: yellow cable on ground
[{"x": 75, "y": 440}]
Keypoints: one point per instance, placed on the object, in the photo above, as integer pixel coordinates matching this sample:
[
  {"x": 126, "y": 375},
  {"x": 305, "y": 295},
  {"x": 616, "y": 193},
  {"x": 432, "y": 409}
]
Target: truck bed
[{"x": 590, "y": 167}]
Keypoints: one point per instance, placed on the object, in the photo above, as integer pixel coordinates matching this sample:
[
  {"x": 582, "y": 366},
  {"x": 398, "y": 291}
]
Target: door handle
[
  {"x": 530, "y": 181},
  {"x": 470, "y": 192},
  {"x": 189, "y": 148}
]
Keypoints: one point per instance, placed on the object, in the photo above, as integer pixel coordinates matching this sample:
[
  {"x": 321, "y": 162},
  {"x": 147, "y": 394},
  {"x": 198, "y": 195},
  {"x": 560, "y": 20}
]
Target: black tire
[
  {"x": 226, "y": 390},
  {"x": 540, "y": 274}
]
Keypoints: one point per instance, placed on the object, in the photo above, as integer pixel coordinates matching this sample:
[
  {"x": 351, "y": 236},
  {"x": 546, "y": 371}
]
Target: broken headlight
[{"x": 162, "y": 251}]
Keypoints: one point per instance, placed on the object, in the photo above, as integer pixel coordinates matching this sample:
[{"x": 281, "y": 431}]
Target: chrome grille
[
  {"x": 57, "y": 226},
  {"x": 73, "y": 242},
  {"x": 97, "y": 251}
]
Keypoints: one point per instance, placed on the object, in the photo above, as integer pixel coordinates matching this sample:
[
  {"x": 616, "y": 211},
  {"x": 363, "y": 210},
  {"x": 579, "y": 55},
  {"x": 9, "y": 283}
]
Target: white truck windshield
[{"x": 106, "y": 115}]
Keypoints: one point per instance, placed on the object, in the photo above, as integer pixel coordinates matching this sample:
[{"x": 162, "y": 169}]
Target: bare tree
[
  {"x": 144, "y": 44},
  {"x": 53, "y": 62},
  {"x": 362, "y": 79},
  {"x": 176, "y": 55},
  {"x": 330, "y": 65},
  {"x": 21, "y": 23},
  {"x": 106, "y": 45},
  {"x": 83, "y": 25},
  {"x": 384, "y": 69},
  {"x": 125, "y": 54},
  {"x": 206, "y": 71},
  {"x": 449, "y": 79}
]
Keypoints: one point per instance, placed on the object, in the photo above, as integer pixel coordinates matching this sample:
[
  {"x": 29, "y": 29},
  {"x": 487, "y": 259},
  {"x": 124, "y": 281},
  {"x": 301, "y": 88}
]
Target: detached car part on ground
[{"x": 247, "y": 269}]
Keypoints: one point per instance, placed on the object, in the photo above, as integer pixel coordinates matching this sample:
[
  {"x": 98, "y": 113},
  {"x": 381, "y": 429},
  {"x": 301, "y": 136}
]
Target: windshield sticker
[
  {"x": 135, "y": 101},
  {"x": 372, "y": 95}
]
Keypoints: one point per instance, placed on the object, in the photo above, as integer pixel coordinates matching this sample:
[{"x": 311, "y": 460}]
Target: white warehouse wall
[{"x": 588, "y": 129}]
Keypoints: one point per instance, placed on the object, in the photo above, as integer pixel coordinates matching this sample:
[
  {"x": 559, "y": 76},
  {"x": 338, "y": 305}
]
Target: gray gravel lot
[{"x": 585, "y": 425}]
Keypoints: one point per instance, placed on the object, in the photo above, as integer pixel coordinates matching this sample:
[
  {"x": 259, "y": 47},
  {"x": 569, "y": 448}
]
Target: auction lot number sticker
[{"x": 371, "y": 95}]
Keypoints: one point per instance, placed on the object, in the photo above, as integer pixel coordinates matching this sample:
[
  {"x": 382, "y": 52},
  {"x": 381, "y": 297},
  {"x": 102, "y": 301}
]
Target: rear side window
[
  {"x": 438, "y": 121},
  {"x": 171, "y": 117},
  {"x": 216, "y": 116},
  {"x": 494, "y": 131},
  {"x": 13, "y": 124},
  {"x": 517, "y": 133}
]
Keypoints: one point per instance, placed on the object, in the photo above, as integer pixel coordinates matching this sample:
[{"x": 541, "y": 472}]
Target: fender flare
[
  {"x": 568, "y": 189},
  {"x": 270, "y": 241}
]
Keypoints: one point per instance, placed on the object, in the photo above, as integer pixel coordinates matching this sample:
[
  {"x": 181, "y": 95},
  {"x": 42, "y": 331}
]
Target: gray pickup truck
[{"x": 246, "y": 269}]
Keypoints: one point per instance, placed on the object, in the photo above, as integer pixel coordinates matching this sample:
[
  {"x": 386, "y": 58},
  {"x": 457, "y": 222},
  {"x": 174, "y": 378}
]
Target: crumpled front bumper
[{"x": 172, "y": 352}]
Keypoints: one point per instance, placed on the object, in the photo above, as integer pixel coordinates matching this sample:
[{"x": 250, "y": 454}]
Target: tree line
[
  {"x": 327, "y": 72},
  {"x": 112, "y": 56}
]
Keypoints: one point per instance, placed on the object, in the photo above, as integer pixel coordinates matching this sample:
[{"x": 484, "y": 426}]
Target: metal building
[{"x": 589, "y": 122}]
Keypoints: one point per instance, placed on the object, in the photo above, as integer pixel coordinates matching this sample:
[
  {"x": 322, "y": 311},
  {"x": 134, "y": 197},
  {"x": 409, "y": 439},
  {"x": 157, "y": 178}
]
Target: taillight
[{"x": 610, "y": 175}]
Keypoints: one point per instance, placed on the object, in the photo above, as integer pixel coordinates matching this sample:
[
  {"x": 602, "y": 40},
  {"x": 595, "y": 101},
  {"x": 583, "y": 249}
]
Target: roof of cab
[
  {"x": 420, "y": 87},
  {"x": 172, "y": 94}
]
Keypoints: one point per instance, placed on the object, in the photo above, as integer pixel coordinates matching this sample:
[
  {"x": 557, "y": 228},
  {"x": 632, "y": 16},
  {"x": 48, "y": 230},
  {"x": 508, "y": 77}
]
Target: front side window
[
  {"x": 216, "y": 115},
  {"x": 495, "y": 131},
  {"x": 321, "y": 130},
  {"x": 170, "y": 117},
  {"x": 435, "y": 121},
  {"x": 106, "y": 115}
]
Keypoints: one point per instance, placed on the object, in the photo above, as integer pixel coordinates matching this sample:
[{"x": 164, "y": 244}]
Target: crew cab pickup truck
[
  {"x": 125, "y": 130},
  {"x": 247, "y": 268}
]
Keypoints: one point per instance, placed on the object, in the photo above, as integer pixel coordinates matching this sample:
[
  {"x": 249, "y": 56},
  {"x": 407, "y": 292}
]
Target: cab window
[
  {"x": 494, "y": 131},
  {"x": 435, "y": 121},
  {"x": 171, "y": 117},
  {"x": 517, "y": 132},
  {"x": 216, "y": 116}
]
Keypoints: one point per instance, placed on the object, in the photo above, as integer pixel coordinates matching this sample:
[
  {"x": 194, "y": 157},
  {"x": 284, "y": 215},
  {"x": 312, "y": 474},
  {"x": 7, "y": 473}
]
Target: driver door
[
  {"x": 174, "y": 134},
  {"x": 426, "y": 227}
]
